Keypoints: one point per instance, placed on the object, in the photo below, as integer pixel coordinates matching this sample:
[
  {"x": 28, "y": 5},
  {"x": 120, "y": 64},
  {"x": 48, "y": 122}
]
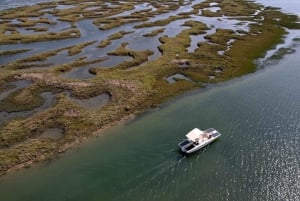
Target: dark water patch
[
  {"x": 93, "y": 102},
  {"x": 173, "y": 78},
  {"x": 53, "y": 134}
]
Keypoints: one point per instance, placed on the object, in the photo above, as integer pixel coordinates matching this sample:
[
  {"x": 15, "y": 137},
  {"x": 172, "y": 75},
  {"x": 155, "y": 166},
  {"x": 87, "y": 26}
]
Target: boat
[{"x": 197, "y": 139}]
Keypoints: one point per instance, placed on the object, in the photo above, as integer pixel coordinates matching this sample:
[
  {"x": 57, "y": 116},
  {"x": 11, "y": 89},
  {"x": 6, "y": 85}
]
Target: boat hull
[{"x": 187, "y": 146}]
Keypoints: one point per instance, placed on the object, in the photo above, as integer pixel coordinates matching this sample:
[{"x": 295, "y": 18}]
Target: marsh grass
[
  {"x": 11, "y": 52},
  {"x": 78, "y": 48},
  {"x": 222, "y": 36},
  {"x": 21, "y": 100},
  {"x": 22, "y": 38},
  {"x": 154, "y": 32},
  {"x": 209, "y": 13},
  {"x": 115, "y": 36}
]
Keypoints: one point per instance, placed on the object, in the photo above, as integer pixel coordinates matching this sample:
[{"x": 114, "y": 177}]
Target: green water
[{"x": 256, "y": 158}]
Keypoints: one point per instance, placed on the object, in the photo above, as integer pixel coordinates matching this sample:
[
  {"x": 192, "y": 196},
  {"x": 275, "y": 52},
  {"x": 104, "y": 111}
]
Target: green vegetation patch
[
  {"x": 21, "y": 38},
  {"x": 243, "y": 52},
  {"x": 154, "y": 32},
  {"x": 222, "y": 36},
  {"x": 10, "y": 52},
  {"x": 209, "y": 13}
]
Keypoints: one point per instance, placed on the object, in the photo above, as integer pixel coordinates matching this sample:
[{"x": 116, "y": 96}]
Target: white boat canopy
[{"x": 194, "y": 134}]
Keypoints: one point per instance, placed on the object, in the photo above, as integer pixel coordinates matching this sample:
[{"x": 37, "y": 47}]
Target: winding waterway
[{"x": 257, "y": 157}]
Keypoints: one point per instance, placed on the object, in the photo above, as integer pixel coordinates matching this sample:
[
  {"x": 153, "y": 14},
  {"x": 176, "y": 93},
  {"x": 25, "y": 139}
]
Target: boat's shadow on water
[{"x": 181, "y": 155}]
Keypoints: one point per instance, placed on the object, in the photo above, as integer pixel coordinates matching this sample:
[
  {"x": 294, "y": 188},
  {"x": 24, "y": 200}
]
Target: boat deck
[{"x": 196, "y": 139}]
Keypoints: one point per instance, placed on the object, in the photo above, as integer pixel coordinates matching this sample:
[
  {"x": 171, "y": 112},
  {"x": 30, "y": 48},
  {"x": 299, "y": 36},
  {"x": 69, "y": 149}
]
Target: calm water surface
[{"x": 257, "y": 157}]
